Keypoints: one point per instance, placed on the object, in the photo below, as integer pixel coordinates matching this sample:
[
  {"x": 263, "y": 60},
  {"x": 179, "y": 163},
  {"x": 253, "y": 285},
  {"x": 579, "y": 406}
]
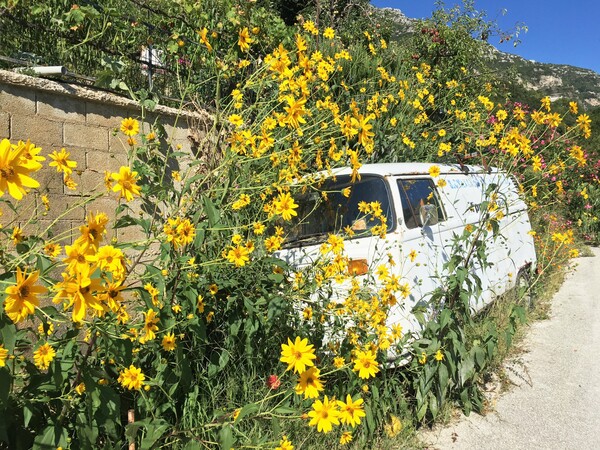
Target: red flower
[{"x": 273, "y": 382}]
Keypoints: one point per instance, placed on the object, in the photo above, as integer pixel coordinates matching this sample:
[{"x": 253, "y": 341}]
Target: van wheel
[{"x": 524, "y": 295}]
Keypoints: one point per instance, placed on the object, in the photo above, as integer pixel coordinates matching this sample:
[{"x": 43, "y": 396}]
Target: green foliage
[{"x": 189, "y": 333}]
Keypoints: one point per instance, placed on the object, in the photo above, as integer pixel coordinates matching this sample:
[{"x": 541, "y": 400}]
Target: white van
[{"x": 423, "y": 216}]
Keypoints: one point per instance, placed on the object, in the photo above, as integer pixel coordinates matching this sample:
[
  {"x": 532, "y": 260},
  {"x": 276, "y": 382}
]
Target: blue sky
[{"x": 560, "y": 31}]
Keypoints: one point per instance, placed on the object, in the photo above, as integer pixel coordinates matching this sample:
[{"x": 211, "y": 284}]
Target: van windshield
[{"x": 327, "y": 210}]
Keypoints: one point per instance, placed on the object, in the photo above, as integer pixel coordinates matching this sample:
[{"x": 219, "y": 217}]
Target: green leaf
[
  {"x": 467, "y": 370},
  {"x": 5, "y": 385},
  {"x": 250, "y": 408},
  {"x": 154, "y": 429},
  {"x": 125, "y": 221},
  {"x": 52, "y": 437},
  {"x": 226, "y": 439},
  {"x": 443, "y": 377},
  {"x": 211, "y": 212},
  {"x": 283, "y": 410},
  {"x": 433, "y": 405},
  {"x": 8, "y": 331},
  {"x": 369, "y": 419},
  {"x": 28, "y": 413}
]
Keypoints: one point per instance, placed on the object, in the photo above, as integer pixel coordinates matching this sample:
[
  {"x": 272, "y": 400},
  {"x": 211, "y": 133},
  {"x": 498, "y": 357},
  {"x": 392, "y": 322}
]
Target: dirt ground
[{"x": 554, "y": 400}]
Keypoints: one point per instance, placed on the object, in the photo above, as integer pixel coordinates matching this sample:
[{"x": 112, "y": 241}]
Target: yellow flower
[
  {"x": 258, "y": 228},
  {"x": 546, "y": 103},
  {"x": 92, "y": 233},
  {"x": 130, "y": 127},
  {"x": 186, "y": 232},
  {"x": 423, "y": 358},
  {"x": 345, "y": 438},
  {"x": 573, "y": 107},
  {"x": 125, "y": 183},
  {"x": 329, "y": 33},
  {"x": 324, "y": 415},
  {"x": 132, "y": 378},
  {"x": 285, "y": 206},
  {"x": 80, "y": 388},
  {"x": 365, "y": 364},
  {"x": 309, "y": 383},
  {"x": 241, "y": 202},
  {"x": 43, "y": 356},
  {"x": 30, "y": 157},
  {"x": 110, "y": 259},
  {"x": 21, "y": 299},
  {"x": 213, "y": 289},
  {"x": 434, "y": 171},
  {"x": 150, "y": 327},
  {"x": 3, "y": 355},
  {"x": 203, "y": 33},
  {"x": 80, "y": 290},
  {"x": 351, "y": 411},
  {"x": 168, "y": 342},
  {"x": 284, "y": 444},
  {"x": 244, "y": 39},
  {"x": 46, "y": 328},
  {"x": 17, "y": 235},
  {"x": 14, "y": 171},
  {"x": 309, "y": 26},
  {"x": 339, "y": 362},
  {"x": 295, "y": 110},
  {"x": 439, "y": 356},
  {"x": 236, "y": 120},
  {"x": 298, "y": 354},
  {"x": 393, "y": 427},
  {"x": 238, "y": 256}
]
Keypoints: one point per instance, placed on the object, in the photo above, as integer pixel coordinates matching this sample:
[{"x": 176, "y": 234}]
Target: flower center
[
  {"x": 24, "y": 291},
  {"x": 7, "y": 172}
]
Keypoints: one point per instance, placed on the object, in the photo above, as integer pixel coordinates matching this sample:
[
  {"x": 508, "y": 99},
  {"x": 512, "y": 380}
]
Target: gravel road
[{"x": 555, "y": 403}]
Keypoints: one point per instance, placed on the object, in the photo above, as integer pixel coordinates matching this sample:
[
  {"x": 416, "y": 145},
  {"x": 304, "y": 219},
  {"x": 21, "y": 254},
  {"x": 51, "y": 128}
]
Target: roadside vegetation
[{"x": 197, "y": 331}]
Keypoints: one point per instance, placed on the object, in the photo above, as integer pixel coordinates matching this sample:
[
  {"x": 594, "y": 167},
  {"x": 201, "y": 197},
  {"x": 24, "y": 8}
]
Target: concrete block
[
  {"x": 101, "y": 161},
  {"x": 51, "y": 181},
  {"x": 17, "y": 100},
  {"x": 60, "y": 107},
  {"x": 107, "y": 115},
  {"x": 86, "y": 136},
  {"x": 60, "y": 231},
  {"x": 106, "y": 204},
  {"x": 36, "y": 129},
  {"x": 117, "y": 143},
  {"x": 4, "y": 125},
  {"x": 26, "y": 211},
  {"x": 92, "y": 182},
  {"x": 65, "y": 207}
]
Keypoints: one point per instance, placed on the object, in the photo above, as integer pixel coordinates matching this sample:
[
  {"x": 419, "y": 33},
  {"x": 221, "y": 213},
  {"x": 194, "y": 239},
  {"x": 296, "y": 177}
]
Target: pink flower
[{"x": 273, "y": 382}]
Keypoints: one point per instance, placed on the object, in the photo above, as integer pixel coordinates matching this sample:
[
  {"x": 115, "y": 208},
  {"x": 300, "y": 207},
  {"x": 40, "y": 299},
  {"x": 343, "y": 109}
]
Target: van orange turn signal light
[{"x": 357, "y": 267}]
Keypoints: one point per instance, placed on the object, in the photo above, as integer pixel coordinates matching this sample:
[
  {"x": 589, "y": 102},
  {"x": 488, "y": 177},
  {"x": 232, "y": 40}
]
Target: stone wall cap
[{"x": 91, "y": 94}]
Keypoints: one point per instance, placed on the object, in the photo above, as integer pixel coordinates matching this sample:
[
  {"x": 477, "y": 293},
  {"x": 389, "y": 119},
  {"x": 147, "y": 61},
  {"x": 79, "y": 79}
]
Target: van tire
[{"x": 523, "y": 290}]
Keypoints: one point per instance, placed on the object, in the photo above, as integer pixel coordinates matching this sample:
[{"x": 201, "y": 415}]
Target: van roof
[{"x": 385, "y": 169}]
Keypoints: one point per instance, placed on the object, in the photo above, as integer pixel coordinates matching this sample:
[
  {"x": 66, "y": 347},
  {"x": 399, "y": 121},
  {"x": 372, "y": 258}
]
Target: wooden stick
[{"x": 131, "y": 419}]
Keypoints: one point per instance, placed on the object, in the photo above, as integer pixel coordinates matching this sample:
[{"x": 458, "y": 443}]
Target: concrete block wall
[{"x": 86, "y": 123}]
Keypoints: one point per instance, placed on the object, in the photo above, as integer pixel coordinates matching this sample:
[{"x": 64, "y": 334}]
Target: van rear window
[
  {"x": 413, "y": 194},
  {"x": 327, "y": 210}
]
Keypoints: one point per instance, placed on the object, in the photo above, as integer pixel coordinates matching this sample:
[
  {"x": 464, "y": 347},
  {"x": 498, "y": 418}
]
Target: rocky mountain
[{"x": 541, "y": 79}]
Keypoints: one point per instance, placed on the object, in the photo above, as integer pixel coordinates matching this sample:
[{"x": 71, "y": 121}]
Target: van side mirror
[{"x": 428, "y": 215}]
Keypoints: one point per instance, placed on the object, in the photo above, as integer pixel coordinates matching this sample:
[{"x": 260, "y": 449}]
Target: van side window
[{"x": 413, "y": 194}]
